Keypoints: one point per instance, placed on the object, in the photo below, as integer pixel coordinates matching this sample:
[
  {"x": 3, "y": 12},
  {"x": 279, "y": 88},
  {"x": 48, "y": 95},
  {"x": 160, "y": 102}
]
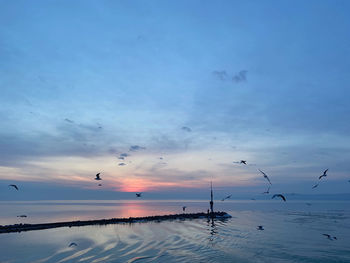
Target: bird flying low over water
[
  {"x": 241, "y": 162},
  {"x": 260, "y": 228},
  {"x": 315, "y": 186},
  {"x": 184, "y": 208},
  {"x": 73, "y": 244},
  {"x": 227, "y": 197},
  {"x": 279, "y": 195},
  {"x": 265, "y": 176},
  {"x": 98, "y": 178},
  {"x": 323, "y": 175},
  {"x": 138, "y": 194},
  {"x": 14, "y": 186},
  {"x": 330, "y": 237},
  {"x": 267, "y": 191}
]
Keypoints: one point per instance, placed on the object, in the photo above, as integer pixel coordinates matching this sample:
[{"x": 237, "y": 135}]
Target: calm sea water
[{"x": 293, "y": 232}]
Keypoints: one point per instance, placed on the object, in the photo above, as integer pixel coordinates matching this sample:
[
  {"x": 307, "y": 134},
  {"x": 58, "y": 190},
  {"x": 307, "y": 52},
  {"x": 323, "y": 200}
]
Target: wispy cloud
[{"x": 134, "y": 148}]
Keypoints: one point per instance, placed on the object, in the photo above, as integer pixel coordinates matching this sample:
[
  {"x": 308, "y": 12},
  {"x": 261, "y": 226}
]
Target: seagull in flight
[
  {"x": 14, "y": 186},
  {"x": 98, "y": 178},
  {"x": 315, "y": 186},
  {"x": 138, "y": 194},
  {"x": 279, "y": 195},
  {"x": 184, "y": 208},
  {"x": 323, "y": 175},
  {"x": 227, "y": 197},
  {"x": 330, "y": 237},
  {"x": 268, "y": 190},
  {"x": 241, "y": 162},
  {"x": 73, "y": 244},
  {"x": 265, "y": 176},
  {"x": 260, "y": 228}
]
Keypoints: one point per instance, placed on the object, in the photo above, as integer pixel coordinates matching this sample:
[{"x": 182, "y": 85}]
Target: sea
[{"x": 293, "y": 232}]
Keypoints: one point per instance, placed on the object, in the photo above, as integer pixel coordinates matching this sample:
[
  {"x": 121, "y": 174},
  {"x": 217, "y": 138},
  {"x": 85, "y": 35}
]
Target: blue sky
[{"x": 263, "y": 81}]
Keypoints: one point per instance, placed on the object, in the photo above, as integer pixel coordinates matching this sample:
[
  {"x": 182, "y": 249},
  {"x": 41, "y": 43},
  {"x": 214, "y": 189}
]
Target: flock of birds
[
  {"x": 281, "y": 195},
  {"x": 243, "y": 162}
]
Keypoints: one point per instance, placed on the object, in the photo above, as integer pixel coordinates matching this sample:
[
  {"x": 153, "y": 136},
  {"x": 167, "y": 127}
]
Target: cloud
[
  {"x": 240, "y": 76},
  {"x": 186, "y": 129},
  {"x": 221, "y": 75},
  {"x": 68, "y": 120},
  {"x": 124, "y": 155},
  {"x": 134, "y": 148}
]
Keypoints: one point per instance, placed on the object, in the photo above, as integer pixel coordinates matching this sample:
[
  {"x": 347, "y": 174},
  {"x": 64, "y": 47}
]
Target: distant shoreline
[{"x": 31, "y": 227}]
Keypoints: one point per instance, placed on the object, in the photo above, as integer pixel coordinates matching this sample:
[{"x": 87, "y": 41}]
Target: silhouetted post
[{"x": 211, "y": 199}]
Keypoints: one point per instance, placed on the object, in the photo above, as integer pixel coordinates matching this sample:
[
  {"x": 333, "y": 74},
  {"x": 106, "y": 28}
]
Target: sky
[{"x": 182, "y": 90}]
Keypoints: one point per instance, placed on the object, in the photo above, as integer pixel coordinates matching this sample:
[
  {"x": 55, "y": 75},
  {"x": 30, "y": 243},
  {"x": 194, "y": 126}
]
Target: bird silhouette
[
  {"x": 184, "y": 208},
  {"x": 98, "y": 178},
  {"x": 14, "y": 186},
  {"x": 138, "y": 194},
  {"x": 330, "y": 237},
  {"x": 323, "y": 175},
  {"x": 265, "y": 176},
  {"x": 315, "y": 186},
  {"x": 243, "y": 161},
  {"x": 22, "y": 216},
  {"x": 73, "y": 244},
  {"x": 267, "y": 191},
  {"x": 279, "y": 195},
  {"x": 260, "y": 228},
  {"x": 227, "y": 197}
]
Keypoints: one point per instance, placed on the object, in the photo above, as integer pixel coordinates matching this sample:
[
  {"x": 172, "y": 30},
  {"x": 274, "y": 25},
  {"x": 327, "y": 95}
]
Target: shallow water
[{"x": 293, "y": 232}]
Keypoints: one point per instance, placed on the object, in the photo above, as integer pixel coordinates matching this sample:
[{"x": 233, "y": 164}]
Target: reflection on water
[{"x": 293, "y": 233}]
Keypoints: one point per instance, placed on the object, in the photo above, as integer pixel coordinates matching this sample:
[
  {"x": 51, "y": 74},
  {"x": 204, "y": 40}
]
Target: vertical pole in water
[{"x": 211, "y": 199}]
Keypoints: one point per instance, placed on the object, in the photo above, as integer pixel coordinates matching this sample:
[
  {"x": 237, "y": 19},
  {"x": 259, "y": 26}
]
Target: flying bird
[
  {"x": 73, "y": 244},
  {"x": 121, "y": 164},
  {"x": 265, "y": 176},
  {"x": 279, "y": 195},
  {"x": 98, "y": 178},
  {"x": 227, "y": 197},
  {"x": 323, "y": 175},
  {"x": 315, "y": 186},
  {"x": 330, "y": 237},
  {"x": 243, "y": 161},
  {"x": 268, "y": 190},
  {"x": 14, "y": 186},
  {"x": 260, "y": 228},
  {"x": 22, "y": 216},
  {"x": 138, "y": 194},
  {"x": 184, "y": 208}
]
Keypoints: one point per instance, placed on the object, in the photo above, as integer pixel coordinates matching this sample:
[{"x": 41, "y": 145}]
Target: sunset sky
[{"x": 183, "y": 88}]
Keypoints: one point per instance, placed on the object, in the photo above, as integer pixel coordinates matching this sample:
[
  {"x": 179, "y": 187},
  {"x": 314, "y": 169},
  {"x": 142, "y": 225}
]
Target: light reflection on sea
[{"x": 293, "y": 232}]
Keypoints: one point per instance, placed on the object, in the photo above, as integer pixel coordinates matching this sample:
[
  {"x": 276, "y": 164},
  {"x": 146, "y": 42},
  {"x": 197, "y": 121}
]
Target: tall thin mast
[{"x": 211, "y": 198}]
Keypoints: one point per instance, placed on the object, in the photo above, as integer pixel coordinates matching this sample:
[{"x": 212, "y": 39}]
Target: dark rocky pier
[{"x": 130, "y": 220}]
